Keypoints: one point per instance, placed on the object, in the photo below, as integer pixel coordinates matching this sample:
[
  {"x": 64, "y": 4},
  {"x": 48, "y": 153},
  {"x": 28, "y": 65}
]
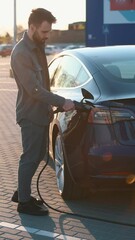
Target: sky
[{"x": 65, "y": 12}]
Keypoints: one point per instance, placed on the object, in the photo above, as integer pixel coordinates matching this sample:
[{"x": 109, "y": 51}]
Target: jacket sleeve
[{"x": 26, "y": 75}]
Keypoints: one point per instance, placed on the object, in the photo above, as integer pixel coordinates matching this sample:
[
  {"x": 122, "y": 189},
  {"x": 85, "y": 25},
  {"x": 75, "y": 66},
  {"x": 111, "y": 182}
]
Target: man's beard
[{"x": 38, "y": 40}]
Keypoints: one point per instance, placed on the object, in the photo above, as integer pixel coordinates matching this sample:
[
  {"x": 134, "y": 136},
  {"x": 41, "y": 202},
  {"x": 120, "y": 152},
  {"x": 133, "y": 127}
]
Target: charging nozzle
[{"x": 79, "y": 106}]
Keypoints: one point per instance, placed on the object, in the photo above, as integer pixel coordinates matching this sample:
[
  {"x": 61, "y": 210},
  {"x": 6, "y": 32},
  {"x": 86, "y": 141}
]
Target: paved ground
[{"x": 118, "y": 208}]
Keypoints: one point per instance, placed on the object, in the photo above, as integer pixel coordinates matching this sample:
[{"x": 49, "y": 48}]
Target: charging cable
[{"x": 76, "y": 214}]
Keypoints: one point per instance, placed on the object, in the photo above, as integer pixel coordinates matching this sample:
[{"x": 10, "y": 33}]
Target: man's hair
[{"x": 40, "y": 15}]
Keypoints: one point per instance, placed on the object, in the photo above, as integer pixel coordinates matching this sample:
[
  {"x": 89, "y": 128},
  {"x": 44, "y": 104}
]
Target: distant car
[
  {"x": 5, "y": 49},
  {"x": 73, "y": 46},
  {"x": 52, "y": 50},
  {"x": 94, "y": 149}
]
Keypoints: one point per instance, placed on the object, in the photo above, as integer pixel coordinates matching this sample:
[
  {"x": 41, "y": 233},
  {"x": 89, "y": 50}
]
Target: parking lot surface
[{"x": 101, "y": 216}]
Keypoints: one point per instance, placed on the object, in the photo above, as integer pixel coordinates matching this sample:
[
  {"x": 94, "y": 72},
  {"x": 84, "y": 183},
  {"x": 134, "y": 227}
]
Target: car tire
[{"x": 68, "y": 189}]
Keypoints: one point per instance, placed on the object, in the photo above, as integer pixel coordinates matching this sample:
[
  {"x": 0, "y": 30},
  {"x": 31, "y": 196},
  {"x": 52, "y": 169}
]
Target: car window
[
  {"x": 52, "y": 69},
  {"x": 123, "y": 70},
  {"x": 82, "y": 77},
  {"x": 127, "y": 69},
  {"x": 70, "y": 73}
]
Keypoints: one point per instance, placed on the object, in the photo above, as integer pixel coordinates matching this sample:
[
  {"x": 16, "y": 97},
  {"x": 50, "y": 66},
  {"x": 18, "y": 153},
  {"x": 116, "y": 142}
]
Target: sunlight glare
[{"x": 64, "y": 11}]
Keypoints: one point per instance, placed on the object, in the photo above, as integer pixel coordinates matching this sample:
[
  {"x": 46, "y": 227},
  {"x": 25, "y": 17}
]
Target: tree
[
  {"x": 20, "y": 29},
  {"x": 6, "y": 38}
]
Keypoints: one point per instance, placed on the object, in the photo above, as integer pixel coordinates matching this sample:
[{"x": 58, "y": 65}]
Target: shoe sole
[
  {"x": 34, "y": 214},
  {"x": 44, "y": 211}
]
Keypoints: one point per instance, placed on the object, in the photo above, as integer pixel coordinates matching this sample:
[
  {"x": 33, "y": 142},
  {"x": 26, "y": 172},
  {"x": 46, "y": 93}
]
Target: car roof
[
  {"x": 102, "y": 51},
  {"x": 94, "y": 58}
]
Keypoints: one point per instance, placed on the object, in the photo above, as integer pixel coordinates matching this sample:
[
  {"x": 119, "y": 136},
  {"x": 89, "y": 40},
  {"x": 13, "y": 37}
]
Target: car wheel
[{"x": 66, "y": 186}]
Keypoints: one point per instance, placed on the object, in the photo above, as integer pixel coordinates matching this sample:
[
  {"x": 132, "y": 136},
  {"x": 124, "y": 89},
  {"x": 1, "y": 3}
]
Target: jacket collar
[{"x": 31, "y": 45}]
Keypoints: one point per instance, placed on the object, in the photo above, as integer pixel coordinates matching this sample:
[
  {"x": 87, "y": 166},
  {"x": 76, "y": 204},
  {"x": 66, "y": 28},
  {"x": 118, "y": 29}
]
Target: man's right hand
[{"x": 68, "y": 105}]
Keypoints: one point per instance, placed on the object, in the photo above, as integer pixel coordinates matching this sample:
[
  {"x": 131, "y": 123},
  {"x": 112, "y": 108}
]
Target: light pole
[{"x": 15, "y": 27}]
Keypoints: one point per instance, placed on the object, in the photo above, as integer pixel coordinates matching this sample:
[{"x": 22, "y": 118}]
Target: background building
[{"x": 74, "y": 34}]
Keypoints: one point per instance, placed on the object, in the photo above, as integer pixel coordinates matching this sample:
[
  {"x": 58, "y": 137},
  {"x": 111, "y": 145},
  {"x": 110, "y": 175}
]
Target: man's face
[{"x": 41, "y": 33}]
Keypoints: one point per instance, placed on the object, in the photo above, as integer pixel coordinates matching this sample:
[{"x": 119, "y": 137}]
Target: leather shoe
[
  {"x": 31, "y": 208},
  {"x": 35, "y": 200}
]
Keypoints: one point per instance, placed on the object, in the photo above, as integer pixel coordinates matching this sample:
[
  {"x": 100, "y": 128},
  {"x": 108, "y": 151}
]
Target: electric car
[{"x": 93, "y": 148}]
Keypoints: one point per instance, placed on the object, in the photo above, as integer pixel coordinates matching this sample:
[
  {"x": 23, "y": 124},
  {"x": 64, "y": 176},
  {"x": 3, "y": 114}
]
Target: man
[{"x": 33, "y": 105}]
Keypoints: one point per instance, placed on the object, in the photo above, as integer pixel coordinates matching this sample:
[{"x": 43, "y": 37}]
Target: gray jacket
[{"x": 33, "y": 100}]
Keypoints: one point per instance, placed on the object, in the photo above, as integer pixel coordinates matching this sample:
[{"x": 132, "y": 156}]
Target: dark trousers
[{"x": 34, "y": 140}]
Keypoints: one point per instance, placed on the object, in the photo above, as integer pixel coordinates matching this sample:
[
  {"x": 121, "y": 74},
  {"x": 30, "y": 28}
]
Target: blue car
[{"x": 94, "y": 150}]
